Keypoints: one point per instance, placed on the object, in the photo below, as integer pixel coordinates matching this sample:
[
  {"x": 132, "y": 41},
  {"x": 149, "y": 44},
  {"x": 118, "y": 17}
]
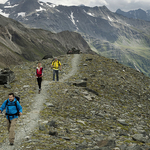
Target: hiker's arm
[
  {"x": 36, "y": 73},
  {"x": 3, "y": 106},
  {"x": 42, "y": 73},
  {"x": 52, "y": 64},
  {"x": 19, "y": 108},
  {"x": 20, "y": 113},
  {"x": 60, "y": 65}
]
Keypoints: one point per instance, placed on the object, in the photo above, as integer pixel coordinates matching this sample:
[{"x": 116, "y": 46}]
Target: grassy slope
[
  {"x": 120, "y": 94},
  {"x": 135, "y": 54}
]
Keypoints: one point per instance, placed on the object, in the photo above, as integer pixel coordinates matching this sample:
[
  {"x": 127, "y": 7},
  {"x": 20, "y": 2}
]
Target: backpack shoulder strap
[
  {"x": 17, "y": 108},
  {"x": 6, "y": 103},
  {"x": 58, "y": 62}
]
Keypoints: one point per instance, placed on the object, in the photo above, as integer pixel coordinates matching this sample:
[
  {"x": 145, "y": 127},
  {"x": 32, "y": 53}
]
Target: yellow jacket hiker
[{"x": 55, "y": 65}]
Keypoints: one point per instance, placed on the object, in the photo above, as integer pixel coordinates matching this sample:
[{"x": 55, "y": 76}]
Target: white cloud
[
  {"x": 3, "y": 1},
  {"x": 113, "y": 5}
]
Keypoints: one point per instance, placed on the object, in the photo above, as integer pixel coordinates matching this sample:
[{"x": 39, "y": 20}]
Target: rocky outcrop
[
  {"x": 73, "y": 51},
  {"x": 47, "y": 57},
  {"x": 6, "y": 76}
]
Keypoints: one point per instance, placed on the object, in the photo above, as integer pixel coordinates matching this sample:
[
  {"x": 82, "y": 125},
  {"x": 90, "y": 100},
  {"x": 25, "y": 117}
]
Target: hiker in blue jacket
[{"x": 13, "y": 110}]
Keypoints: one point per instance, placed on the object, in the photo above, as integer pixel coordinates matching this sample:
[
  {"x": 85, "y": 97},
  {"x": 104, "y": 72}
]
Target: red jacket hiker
[{"x": 39, "y": 72}]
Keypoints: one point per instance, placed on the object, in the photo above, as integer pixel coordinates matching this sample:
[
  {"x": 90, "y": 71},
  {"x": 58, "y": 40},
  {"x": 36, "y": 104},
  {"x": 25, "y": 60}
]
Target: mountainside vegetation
[{"x": 104, "y": 105}]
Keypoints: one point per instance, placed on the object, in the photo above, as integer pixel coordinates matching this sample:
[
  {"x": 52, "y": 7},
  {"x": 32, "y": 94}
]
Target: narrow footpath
[{"x": 30, "y": 121}]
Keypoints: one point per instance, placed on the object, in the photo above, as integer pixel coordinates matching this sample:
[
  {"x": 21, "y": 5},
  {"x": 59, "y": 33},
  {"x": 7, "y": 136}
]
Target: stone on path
[{"x": 7, "y": 86}]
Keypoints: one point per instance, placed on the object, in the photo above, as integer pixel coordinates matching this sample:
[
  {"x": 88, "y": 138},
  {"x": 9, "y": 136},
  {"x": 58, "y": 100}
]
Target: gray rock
[
  {"x": 80, "y": 83},
  {"x": 27, "y": 137},
  {"x": 53, "y": 133},
  {"x": 87, "y": 132},
  {"x": 123, "y": 147},
  {"x": 7, "y": 86},
  {"x": 84, "y": 64},
  {"x": 123, "y": 122},
  {"x": 42, "y": 128},
  {"x": 52, "y": 124},
  {"x": 92, "y": 91},
  {"x": 134, "y": 147},
  {"x": 139, "y": 137},
  {"x": 47, "y": 57},
  {"x": 100, "y": 115},
  {"x": 107, "y": 144},
  {"x": 123, "y": 133},
  {"x": 89, "y": 98},
  {"x": 26, "y": 86},
  {"x": 66, "y": 138},
  {"x": 6, "y": 76},
  {"x": 49, "y": 105},
  {"x": 89, "y": 59}
]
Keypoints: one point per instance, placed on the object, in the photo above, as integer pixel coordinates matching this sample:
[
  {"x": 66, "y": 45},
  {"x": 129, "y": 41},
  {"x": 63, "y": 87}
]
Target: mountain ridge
[
  {"x": 135, "y": 14},
  {"x": 23, "y": 44},
  {"x": 101, "y": 28}
]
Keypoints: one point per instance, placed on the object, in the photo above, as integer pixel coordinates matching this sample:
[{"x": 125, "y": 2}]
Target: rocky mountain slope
[
  {"x": 104, "y": 105},
  {"x": 109, "y": 34},
  {"x": 18, "y": 43},
  {"x": 136, "y": 14}
]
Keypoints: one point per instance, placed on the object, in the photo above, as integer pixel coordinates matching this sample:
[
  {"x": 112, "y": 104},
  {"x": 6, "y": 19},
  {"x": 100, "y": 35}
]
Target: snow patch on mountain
[
  {"x": 8, "y": 3},
  {"x": 4, "y": 14},
  {"x": 90, "y": 14},
  {"x": 72, "y": 18},
  {"x": 11, "y": 6},
  {"x": 41, "y": 3},
  {"x": 136, "y": 67},
  {"x": 110, "y": 19},
  {"x": 41, "y": 9},
  {"x": 21, "y": 14},
  {"x": 51, "y": 5}
]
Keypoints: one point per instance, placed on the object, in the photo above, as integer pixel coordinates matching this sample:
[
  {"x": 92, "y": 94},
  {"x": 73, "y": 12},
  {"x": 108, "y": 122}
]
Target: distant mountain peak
[{"x": 135, "y": 14}]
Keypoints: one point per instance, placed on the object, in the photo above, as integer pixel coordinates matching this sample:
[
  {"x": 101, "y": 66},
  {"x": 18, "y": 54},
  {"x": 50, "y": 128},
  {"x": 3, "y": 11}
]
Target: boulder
[
  {"x": 107, "y": 144},
  {"x": 47, "y": 57},
  {"x": 6, "y": 76},
  {"x": 53, "y": 133},
  {"x": 7, "y": 86},
  {"x": 89, "y": 59},
  {"x": 123, "y": 122},
  {"x": 52, "y": 124},
  {"x": 139, "y": 137},
  {"x": 73, "y": 51},
  {"x": 92, "y": 91},
  {"x": 80, "y": 83}
]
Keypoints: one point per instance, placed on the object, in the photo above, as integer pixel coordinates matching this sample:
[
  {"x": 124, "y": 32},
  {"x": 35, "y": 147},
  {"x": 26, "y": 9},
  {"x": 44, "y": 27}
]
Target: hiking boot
[{"x": 11, "y": 144}]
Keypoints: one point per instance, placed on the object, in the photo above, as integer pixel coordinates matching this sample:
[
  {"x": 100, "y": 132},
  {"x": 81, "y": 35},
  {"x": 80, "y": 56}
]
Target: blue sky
[{"x": 113, "y": 5}]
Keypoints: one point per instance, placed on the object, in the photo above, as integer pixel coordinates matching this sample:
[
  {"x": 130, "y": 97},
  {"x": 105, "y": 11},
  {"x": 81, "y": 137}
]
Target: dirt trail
[{"x": 30, "y": 121}]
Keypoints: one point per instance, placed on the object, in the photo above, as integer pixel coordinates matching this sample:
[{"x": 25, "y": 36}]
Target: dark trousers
[
  {"x": 55, "y": 72},
  {"x": 39, "y": 80}
]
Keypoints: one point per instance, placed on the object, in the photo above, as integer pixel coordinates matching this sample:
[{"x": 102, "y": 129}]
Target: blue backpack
[{"x": 16, "y": 114}]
